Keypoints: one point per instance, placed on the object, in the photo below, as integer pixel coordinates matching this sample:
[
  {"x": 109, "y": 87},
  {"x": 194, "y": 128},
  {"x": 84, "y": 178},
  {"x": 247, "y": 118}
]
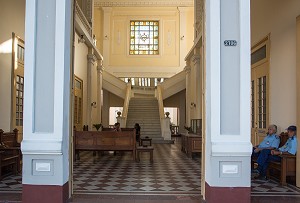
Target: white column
[
  {"x": 188, "y": 95},
  {"x": 228, "y": 147},
  {"x": 47, "y": 121},
  {"x": 198, "y": 81},
  {"x": 91, "y": 59},
  {"x": 106, "y": 35},
  {"x": 99, "y": 90},
  {"x": 182, "y": 35}
]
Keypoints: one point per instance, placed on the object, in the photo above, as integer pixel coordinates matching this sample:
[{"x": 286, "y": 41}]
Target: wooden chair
[{"x": 10, "y": 153}]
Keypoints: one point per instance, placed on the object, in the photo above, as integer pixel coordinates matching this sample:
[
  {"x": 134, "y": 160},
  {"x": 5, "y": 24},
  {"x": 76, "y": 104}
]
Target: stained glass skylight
[{"x": 144, "y": 38}]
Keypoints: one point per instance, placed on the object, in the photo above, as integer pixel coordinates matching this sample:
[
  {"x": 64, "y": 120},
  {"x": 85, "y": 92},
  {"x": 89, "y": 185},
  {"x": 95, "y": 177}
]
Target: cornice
[{"x": 143, "y": 3}]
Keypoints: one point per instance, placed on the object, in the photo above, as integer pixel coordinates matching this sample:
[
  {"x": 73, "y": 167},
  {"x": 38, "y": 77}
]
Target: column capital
[
  {"x": 187, "y": 69},
  {"x": 107, "y": 9},
  {"x": 91, "y": 58},
  {"x": 182, "y": 9},
  {"x": 196, "y": 59},
  {"x": 100, "y": 67}
]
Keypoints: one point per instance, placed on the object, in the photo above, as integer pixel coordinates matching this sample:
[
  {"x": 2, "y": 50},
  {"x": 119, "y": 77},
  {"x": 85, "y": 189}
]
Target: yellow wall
[
  {"x": 109, "y": 100},
  {"x": 97, "y": 28},
  {"x": 279, "y": 19},
  {"x": 178, "y": 101},
  {"x": 119, "y": 59},
  {"x": 12, "y": 19}
]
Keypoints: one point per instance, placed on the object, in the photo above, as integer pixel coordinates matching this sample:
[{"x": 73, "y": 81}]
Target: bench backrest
[
  {"x": 9, "y": 139},
  {"x": 122, "y": 129},
  {"x": 105, "y": 140},
  {"x": 283, "y": 138}
]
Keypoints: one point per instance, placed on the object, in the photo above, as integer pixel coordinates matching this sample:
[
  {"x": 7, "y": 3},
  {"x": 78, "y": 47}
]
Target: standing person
[
  {"x": 137, "y": 128},
  {"x": 290, "y": 147}
]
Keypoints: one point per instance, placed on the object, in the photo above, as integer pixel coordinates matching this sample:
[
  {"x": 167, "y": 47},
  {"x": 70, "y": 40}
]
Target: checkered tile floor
[
  {"x": 272, "y": 188},
  {"x": 172, "y": 172}
]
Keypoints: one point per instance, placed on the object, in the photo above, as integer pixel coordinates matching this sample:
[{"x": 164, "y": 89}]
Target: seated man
[
  {"x": 117, "y": 127},
  {"x": 290, "y": 147},
  {"x": 271, "y": 141}
]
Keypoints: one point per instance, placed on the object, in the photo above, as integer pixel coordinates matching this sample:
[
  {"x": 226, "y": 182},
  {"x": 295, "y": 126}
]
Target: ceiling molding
[{"x": 143, "y": 3}]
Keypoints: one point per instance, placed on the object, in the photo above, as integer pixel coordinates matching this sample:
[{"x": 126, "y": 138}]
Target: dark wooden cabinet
[{"x": 191, "y": 143}]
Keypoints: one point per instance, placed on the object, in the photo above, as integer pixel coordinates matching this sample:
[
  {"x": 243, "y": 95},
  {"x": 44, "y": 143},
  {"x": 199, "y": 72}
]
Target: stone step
[{"x": 145, "y": 112}]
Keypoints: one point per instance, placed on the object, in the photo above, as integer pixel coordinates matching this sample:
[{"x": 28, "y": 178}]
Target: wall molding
[{"x": 141, "y": 3}]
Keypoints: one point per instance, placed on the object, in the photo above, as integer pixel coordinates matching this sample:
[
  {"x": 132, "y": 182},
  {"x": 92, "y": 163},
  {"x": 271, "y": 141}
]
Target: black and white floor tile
[{"x": 170, "y": 173}]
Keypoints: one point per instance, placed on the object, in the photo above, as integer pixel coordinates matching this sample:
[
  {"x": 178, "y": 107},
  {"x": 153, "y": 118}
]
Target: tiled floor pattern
[
  {"x": 272, "y": 188},
  {"x": 170, "y": 173},
  {"x": 11, "y": 184}
]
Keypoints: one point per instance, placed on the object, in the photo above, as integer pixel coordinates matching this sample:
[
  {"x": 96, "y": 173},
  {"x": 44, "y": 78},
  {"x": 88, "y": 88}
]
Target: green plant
[
  {"x": 189, "y": 129},
  {"x": 97, "y": 126}
]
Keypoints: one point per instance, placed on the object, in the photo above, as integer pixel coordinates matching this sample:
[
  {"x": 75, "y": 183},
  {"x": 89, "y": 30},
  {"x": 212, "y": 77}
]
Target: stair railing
[
  {"x": 126, "y": 101},
  {"x": 158, "y": 94},
  {"x": 164, "y": 122}
]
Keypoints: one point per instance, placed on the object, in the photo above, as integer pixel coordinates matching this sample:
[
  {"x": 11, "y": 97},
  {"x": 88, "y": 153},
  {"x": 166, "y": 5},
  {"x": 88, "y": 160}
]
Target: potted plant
[
  {"x": 189, "y": 129},
  {"x": 97, "y": 126}
]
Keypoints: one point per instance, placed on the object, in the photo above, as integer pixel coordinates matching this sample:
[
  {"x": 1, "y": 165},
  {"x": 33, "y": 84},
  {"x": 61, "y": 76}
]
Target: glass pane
[
  {"x": 141, "y": 42},
  {"x": 259, "y": 54}
]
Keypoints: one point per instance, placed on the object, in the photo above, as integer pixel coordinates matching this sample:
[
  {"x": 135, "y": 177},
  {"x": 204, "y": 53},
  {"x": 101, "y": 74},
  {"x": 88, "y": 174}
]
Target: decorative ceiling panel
[{"x": 143, "y": 3}]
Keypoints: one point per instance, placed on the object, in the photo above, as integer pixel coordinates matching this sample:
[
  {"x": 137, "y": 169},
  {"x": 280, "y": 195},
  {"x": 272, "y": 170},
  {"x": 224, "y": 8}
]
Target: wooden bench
[
  {"x": 10, "y": 153},
  {"x": 287, "y": 165},
  {"x": 105, "y": 141},
  {"x": 122, "y": 129}
]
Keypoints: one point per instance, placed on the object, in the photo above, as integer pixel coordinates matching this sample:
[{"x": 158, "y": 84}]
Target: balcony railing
[{"x": 83, "y": 19}]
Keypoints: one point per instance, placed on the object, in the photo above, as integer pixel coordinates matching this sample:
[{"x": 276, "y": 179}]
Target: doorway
[{"x": 259, "y": 90}]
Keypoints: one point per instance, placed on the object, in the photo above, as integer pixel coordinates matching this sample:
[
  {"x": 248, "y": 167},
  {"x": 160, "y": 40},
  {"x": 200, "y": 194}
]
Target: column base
[
  {"x": 227, "y": 194},
  {"x": 45, "y": 193}
]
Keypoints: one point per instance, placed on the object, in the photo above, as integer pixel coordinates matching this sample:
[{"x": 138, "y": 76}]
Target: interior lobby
[{"x": 203, "y": 79}]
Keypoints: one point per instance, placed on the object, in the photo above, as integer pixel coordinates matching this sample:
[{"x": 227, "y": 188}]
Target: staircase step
[{"x": 145, "y": 111}]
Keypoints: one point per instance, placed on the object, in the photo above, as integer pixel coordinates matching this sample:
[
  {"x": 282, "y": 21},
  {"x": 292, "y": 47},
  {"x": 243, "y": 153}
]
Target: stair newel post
[{"x": 126, "y": 104}]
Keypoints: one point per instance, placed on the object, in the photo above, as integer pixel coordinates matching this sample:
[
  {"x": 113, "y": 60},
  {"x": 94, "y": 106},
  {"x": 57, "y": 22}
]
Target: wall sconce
[
  {"x": 182, "y": 38},
  {"x": 81, "y": 39},
  {"x": 193, "y": 105},
  {"x": 94, "y": 104}
]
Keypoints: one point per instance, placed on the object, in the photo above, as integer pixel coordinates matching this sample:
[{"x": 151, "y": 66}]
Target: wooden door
[
  {"x": 259, "y": 91},
  {"x": 17, "y": 99},
  {"x": 78, "y": 103}
]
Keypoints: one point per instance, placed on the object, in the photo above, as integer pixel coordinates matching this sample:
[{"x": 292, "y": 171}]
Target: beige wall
[
  {"x": 109, "y": 100},
  {"x": 98, "y": 28},
  {"x": 279, "y": 18},
  {"x": 12, "y": 15},
  {"x": 178, "y": 101},
  {"x": 120, "y": 62},
  {"x": 80, "y": 70}
]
